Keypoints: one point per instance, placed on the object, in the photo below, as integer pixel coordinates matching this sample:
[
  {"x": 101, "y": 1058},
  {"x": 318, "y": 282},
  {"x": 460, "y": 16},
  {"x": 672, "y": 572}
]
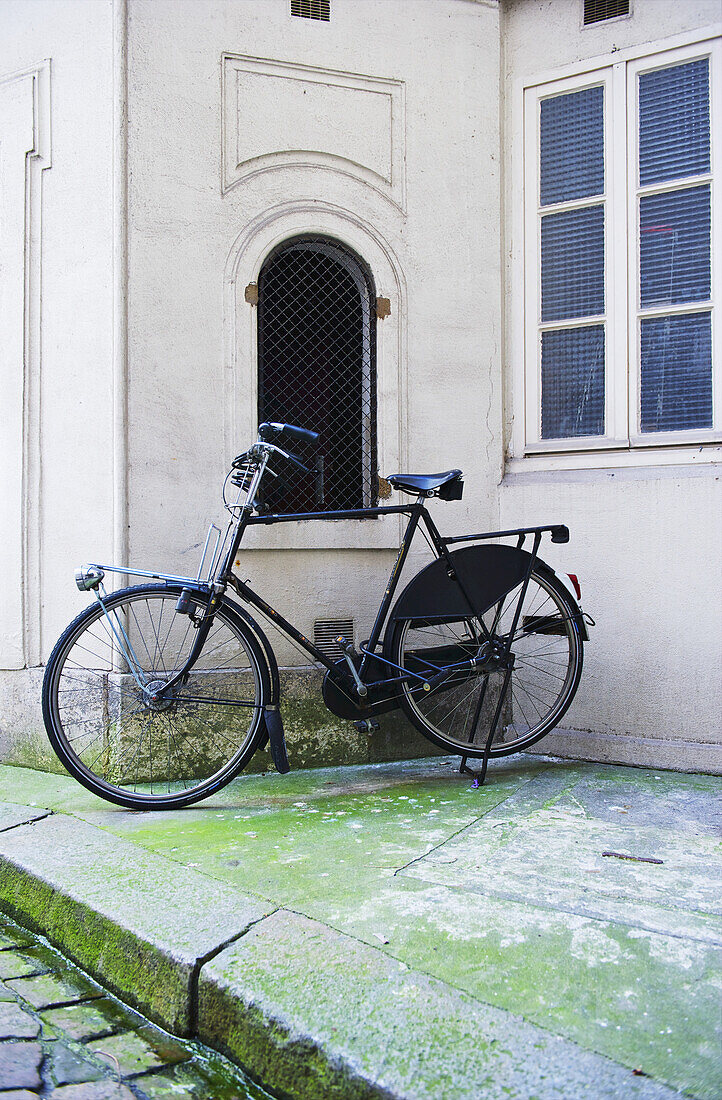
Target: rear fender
[{"x": 563, "y": 580}]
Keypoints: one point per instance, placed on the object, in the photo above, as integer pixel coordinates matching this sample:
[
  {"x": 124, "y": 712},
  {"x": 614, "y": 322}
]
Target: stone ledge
[
  {"x": 315, "y": 737},
  {"x": 138, "y": 922},
  {"x": 636, "y": 752}
]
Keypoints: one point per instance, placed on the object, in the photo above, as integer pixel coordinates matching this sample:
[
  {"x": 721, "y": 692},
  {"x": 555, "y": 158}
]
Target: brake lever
[{"x": 292, "y": 458}]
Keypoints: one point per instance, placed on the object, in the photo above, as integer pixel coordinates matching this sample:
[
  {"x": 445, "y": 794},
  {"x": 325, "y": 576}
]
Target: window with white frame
[{"x": 620, "y": 264}]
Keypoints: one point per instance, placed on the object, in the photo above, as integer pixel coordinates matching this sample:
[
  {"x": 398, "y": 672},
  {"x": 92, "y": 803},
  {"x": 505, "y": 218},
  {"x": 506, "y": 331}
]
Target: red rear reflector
[{"x": 577, "y": 587}]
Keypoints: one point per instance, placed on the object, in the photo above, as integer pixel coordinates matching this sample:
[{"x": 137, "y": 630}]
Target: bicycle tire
[
  {"x": 154, "y": 755},
  {"x": 548, "y": 658}
]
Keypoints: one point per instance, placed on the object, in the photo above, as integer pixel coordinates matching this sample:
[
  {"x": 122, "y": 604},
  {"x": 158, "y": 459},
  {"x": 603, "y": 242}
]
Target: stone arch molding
[
  {"x": 280, "y": 115},
  {"x": 243, "y": 266}
]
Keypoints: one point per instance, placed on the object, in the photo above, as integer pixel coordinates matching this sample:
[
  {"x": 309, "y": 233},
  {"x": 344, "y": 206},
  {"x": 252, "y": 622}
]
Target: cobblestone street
[{"x": 63, "y": 1036}]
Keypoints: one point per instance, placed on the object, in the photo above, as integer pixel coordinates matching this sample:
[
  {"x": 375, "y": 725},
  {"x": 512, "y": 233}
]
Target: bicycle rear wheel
[
  {"x": 547, "y": 653},
  {"x": 109, "y": 722}
]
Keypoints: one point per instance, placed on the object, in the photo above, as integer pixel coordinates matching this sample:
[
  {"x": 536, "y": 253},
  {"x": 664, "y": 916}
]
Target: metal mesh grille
[
  {"x": 317, "y": 369},
  {"x": 311, "y": 9},
  {"x": 597, "y": 10}
]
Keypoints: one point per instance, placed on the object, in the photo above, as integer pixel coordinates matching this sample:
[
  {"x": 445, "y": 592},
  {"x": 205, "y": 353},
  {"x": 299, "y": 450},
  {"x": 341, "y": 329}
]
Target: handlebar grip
[{"x": 270, "y": 431}]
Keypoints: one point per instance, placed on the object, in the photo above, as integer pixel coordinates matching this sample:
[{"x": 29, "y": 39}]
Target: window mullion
[
  {"x": 617, "y": 273},
  {"x": 532, "y": 267},
  {"x": 572, "y": 322},
  {"x": 682, "y": 184},
  {"x": 716, "y": 241},
  {"x": 631, "y": 191},
  {"x": 675, "y": 309}
]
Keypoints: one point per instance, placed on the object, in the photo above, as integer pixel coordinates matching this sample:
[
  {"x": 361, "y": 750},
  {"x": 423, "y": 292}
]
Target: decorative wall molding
[
  {"x": 120, "y": 281},
  {"x": 25, "y": 114},
  {"x": 280, "y": 115}
]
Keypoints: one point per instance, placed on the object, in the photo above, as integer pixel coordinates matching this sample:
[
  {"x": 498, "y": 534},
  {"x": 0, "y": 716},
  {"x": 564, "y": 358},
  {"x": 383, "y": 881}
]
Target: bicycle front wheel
[
  {"x": 547, "y": 654},
  {"x": 117, "y": 732}
]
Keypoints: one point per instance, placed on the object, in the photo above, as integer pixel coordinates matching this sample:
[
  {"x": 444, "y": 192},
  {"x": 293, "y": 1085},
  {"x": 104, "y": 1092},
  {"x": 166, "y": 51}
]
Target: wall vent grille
[
  {"x": 311, "y": 9},
  {"x": 595, "y": 11},
  {"x": 325, "y": 632}
]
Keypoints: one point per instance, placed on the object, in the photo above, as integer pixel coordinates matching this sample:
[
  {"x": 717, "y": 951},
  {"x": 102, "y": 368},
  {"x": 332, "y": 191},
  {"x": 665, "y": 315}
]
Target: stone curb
[
  {"x": 313, "y": 1012},
  {"x": 140, "y": 923},
  {"x": 305, "y": 1009}
]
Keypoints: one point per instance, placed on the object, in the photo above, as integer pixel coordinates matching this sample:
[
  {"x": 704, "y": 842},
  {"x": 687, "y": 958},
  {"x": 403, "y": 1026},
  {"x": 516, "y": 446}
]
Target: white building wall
[
  {"x": 645, "y": 529},
  {"x": 56, "y": 330},
  {"x": 399, "y": 103},
  {"x": 248, "y": 126}
]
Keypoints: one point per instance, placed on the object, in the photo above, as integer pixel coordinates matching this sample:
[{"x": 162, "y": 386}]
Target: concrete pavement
[{"x": 390, "y": 931}]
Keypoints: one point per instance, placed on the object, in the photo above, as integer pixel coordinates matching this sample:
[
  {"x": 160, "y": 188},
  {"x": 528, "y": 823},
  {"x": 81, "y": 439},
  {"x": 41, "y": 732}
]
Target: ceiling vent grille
[
  {"x": 311, "y": 9},
  {"x": 325, "y": 633},
  {"x": 595, "y": 11}
]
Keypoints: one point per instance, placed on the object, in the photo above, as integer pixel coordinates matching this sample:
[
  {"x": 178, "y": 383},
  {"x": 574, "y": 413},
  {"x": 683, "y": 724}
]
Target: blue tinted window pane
[
  {"x": 674, "y": 122},
  {"x": 572, "y": 146},
  {"x": 573, "y": 382},
  {"x": 676, "y": 373},
  {"x": 675, "y": 247},
  {"x": 572, "y": 264}
]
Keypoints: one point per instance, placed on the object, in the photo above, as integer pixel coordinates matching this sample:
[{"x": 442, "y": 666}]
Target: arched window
[{"x": 317, "y": 369}]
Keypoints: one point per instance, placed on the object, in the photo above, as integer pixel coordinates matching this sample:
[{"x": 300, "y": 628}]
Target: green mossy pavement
[{"x": 389, "y": 930}]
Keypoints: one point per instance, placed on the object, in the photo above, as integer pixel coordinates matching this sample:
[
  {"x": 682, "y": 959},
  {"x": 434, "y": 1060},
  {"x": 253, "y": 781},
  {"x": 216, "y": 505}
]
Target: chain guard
[{"x": 342, "y": 700}]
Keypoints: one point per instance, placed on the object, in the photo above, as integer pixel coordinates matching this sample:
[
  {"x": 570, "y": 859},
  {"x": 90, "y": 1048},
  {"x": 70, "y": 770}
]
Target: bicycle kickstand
[{"x": 479, "y": 776}]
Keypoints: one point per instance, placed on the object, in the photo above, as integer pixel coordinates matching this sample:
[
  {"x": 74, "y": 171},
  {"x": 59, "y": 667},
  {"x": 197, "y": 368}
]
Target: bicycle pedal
[{"x": 367, "y": 725}]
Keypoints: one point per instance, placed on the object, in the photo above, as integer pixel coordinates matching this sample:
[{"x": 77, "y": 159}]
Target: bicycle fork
[{"x": 134, "y": 664}]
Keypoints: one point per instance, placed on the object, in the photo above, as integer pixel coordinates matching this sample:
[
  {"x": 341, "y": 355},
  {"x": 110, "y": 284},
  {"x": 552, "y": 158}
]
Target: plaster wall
[
  {"x": 398, "y": 105},
  {"x": 395, "y": 107},
  {"x": 645, "y": 540},
  {"x": 57, "y": 335}
]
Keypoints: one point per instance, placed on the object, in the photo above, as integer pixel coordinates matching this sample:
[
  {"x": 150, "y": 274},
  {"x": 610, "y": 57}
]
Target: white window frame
[{"x": 623, "y": 442}]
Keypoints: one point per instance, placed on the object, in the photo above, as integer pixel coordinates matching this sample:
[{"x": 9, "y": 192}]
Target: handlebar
[
  {"x": 240, "y": 461},
  {"x": 270, "y": 432}
]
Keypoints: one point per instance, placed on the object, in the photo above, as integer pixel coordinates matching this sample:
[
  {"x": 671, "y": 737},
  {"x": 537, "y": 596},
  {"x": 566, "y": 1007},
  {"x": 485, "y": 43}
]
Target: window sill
[
  {"x": 706, "y": 454},
  {"x": 383, "y": 533}
]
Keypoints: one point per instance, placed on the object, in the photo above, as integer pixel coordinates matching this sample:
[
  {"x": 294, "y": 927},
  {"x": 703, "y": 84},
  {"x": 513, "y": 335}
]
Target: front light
[{"x": 88, "y": 577}]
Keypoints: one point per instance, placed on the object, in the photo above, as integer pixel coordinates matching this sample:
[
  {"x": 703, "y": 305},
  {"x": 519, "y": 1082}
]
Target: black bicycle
[{"x": 158, "y": 695}]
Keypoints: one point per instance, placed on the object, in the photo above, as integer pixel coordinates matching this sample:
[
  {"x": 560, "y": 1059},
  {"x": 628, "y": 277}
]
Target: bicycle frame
[
  {"x": 459, "y": 648},
  {"x": 416, "y": 512},
  {"x": 222, "y": 576}
]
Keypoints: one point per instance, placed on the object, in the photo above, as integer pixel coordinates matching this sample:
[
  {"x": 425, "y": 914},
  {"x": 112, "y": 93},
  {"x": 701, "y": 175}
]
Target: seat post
[{"x": 417, "y": 511}]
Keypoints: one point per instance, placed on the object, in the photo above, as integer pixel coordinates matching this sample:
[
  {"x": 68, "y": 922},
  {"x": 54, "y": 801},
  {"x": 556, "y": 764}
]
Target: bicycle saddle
[{"x": 425, "y": 483}]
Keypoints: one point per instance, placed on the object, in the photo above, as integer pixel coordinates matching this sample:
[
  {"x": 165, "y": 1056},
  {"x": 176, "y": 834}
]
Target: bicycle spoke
[{"x": 141, "y": 749}]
